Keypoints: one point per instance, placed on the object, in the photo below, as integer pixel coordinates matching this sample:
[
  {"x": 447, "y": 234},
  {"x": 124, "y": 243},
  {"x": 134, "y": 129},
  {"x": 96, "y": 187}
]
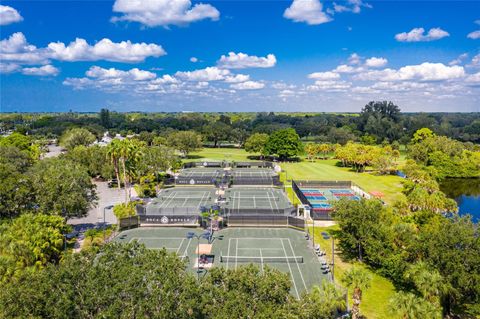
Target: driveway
[{"x": 107, "y": 196}]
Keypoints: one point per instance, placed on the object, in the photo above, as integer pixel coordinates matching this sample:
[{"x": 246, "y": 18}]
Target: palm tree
[
  {"x": 409, "y": 306},
  {"x": 329, "y": 297},
  {"x": 358, "y": 279},
  {"x": 429, "y": 282},
  {"x": 129, "y": 152},
  {"x": 113, "y": 155}
]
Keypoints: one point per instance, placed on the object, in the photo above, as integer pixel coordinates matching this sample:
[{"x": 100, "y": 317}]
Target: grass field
[
  {"x": 318, "y": 170},
  {"x": 375, "y": 300}
]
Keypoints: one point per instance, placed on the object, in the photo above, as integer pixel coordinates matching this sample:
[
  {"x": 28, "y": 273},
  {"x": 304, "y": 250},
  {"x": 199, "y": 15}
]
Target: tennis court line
[
  {"x": 180, "y": 246},
  {"x": 290, "y": 268},
  {"x": 228, "y": 250},
  {"x": 261, "y": 259},
  {"x": 298, "y": 266},
  {"x": 186, "y": 248},
  {"x": 236, "y": 254}
]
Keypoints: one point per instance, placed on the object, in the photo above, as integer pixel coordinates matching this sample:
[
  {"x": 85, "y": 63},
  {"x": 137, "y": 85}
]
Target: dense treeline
[
  {"x": 130, "y": 281},
  {"x": 381, "y": 121}
]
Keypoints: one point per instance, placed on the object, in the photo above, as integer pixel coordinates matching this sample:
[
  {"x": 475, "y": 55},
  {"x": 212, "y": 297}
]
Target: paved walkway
[{"x": 107, "y": 196}]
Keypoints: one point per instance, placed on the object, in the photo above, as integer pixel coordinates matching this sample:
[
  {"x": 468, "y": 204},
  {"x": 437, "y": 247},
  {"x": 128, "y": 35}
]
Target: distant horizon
[{"x": 213, "y": 56}]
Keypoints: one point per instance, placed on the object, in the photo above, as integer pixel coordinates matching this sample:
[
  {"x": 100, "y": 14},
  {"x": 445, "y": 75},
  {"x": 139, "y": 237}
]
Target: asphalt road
[{"x": 107, "y": 196}]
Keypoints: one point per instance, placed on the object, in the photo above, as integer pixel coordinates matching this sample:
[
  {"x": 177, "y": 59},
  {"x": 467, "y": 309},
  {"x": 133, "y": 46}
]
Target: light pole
[
  {"x": 333, "y": 259},
  {"x": 191, "y": 235},
  {"x": 104, "y": 223}
]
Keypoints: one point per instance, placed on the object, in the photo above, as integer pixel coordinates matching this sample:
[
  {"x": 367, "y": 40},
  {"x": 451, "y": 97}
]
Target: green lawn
[
  {"x": 319, "y": 170},
  {"x": 326, "y": 170},
  {"x": 219, "y": 154},
  {"x": 375, "y": 300}
]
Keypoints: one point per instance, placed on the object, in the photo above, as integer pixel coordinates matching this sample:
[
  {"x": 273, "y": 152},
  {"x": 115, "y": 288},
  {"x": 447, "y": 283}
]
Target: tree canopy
[{"x": 284, "y": 144}]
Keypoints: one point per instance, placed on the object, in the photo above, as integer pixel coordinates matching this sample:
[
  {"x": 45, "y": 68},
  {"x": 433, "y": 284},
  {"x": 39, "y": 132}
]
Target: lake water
[{"x": 466, "y": 192}]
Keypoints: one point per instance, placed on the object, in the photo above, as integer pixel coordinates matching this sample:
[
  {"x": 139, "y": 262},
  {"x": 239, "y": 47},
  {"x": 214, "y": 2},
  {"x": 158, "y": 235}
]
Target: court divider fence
[
  {"x": 252, "y": 164},
  {"x": 128, "y": 222}
]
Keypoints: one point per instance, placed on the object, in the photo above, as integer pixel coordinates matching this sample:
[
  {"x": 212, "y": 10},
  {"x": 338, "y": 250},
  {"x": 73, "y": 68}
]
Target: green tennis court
[{"x": 284, "y": 249}]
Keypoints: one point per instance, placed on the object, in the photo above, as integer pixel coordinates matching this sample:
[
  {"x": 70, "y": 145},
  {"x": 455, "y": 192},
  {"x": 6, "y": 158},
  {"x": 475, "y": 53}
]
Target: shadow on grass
[{"x": 190, "y": 156}]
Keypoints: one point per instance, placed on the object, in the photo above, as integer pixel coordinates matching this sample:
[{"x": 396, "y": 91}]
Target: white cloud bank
[
  {"x": 154, "y": 13},
  {"x": 46, "y": 70},
  {"x": 15, "y": 50},
  {"x": 105, "y": 49},
  {"x": 242, "y": 61},
  {"x": 249, "y": 85},
  {"x": 9, "y": 15},
  {"x": 308, "y": 11},
  {"x": 419, "y": 35},
  {"x": 474, "y": 35}
]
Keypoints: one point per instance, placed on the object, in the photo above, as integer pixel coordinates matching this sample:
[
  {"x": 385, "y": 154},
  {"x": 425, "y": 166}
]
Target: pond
[{"x": 466, "y": 192}]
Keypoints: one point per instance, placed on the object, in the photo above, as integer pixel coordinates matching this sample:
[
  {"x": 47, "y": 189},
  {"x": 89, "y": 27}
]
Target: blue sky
[{"x": 178, "y": 55}]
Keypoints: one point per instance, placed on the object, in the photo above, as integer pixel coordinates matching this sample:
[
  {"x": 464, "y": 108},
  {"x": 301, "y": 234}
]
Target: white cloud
[
  {"x": 105, "y": 49},
  {"x": 423, "y": 72},
  {"x": 354, "y": 6},
  {"x": 474, "y": 35},
  {"x": 418, "y": 35},
  {"x": 375, "y": 62},
  {"x": 309, "y": 11},
  {"x": 208, "y": 74},
  {"x": 249, "y": 85},
  {"x": 134, "y": 74},
  {"x": 193, "y": 59},
  {"x": 329, "y": 86},
  {"x": 237, "y": 78},
  {"x": 9, "y": 67},
  {"x": 343, "y": 68},
  {"x": 242, "y": 61},
  {"x": 282, "y": 86},
  {"x": 9, "y": 15},
  {"x": 473, "y": 78},
  {"x": 154, "y": 13},
  {"x": 165, "y": 79},
  {"x": 477, "y": 21},
  {"x": 354, "y": 59},
  {"x": 46, "y": 70},
  {"x": 459, "y": 59},
  {"x": 16, "y": 49},
  {"x": 324, "y": 75},
  {"x": 475, "y": 61}
]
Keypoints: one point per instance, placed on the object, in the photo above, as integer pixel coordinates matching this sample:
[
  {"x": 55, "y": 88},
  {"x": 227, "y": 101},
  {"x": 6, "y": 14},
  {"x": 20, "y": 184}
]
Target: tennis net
[
  {"x": 252, "y": 259},
  {"x": 252, "y": 198},
  {"x": 173, "y": 198}
]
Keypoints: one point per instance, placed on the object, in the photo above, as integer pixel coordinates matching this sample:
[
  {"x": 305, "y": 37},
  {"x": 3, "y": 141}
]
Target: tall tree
[
  {"x": 256, "y": 143},
  {"x": 185, "y": 141},
  {"x": 105, "y": 118},
  {"x": 31, "y": 240},
  {"x": 113, "y": 154},
  {"x": 62, "y": 187},
  {"x": 409, "y": 306},
  {"x": 284, "y": 144},
  {"x": 75, "y": 137},
  {"x": 359, "y": 280}
]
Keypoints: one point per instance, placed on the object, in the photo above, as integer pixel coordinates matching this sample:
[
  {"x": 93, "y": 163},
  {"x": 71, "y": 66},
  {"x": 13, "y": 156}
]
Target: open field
[
  {"x": 375, "y": 300},
  {"x": 326, "y": 170}
]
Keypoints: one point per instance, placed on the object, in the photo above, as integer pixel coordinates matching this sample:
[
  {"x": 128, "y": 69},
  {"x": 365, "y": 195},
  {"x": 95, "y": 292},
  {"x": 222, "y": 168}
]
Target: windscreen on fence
[
  {"x": 253, "y": 180},
  {"x": 257, "y": 220},
  {"x": 253, "y": 164},
  {"x": 283, "y": 212},
  {"x": 128, "y": 222},
  {"x": 299, "y": 193}
]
